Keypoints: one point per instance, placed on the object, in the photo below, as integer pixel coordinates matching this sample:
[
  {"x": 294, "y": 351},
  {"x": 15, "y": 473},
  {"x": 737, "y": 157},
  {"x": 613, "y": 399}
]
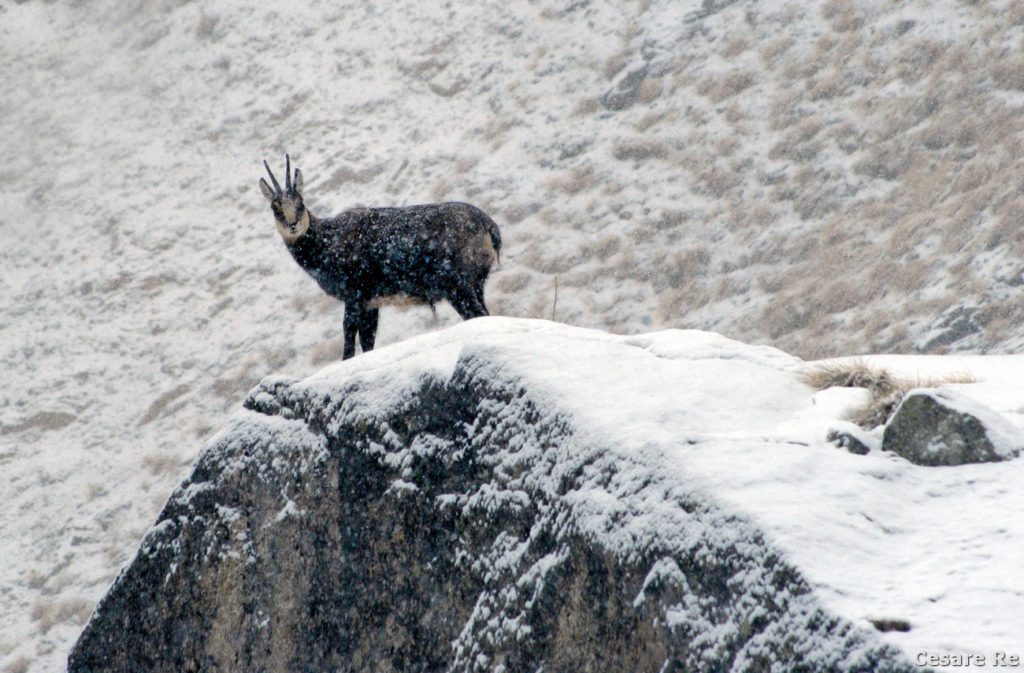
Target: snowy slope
[{"x": 827, "y": 179}]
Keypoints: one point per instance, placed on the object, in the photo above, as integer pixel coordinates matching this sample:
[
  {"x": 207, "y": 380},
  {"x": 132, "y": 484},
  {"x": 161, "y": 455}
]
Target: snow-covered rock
[
  {"x": 511, "y": 495},
  {"x": 852, "y": 438},
  {"x": 943, "y": 427}
]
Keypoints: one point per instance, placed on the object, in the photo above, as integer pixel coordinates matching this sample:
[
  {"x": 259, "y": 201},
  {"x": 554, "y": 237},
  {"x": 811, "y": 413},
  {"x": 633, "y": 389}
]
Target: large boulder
[
  {"x": 434, "y": 512},
  {"x": 938, "y": 426}
]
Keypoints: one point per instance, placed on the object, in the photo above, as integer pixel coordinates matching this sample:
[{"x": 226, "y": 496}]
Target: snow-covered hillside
[{"x": 830, "y": 179}]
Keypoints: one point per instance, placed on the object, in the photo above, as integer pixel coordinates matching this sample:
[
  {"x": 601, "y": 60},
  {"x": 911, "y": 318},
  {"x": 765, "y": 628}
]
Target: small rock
[
  {"x": 942, "y": 427},
  {"x": 623, "y": 92},
  {"x": 885, "y": 625},
  {"x": 845, "y": 439}
]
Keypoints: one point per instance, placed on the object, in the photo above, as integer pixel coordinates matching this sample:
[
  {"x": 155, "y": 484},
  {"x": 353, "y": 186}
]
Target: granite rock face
[
  {"x": 942, "y": 427},
  {"x": 450, "y": 523}
]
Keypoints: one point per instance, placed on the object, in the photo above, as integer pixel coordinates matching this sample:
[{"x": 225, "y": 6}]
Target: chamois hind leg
[
  {"x": 467, "y": 305},
  {"x": 352, "y": 321},
  {"x": 479, "y": 293},
  {"x": 368, "y": 328}
]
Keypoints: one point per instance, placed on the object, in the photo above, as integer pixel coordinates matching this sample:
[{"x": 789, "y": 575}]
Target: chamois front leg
[
  {"x": 353, "y": 321},
  {"x": 368, "y": 328},
  {"x": 360, "y": 320}
]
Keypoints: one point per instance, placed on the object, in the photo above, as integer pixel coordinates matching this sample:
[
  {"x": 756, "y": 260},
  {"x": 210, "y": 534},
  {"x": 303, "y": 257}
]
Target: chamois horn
[{"x": 277, "y": 187}]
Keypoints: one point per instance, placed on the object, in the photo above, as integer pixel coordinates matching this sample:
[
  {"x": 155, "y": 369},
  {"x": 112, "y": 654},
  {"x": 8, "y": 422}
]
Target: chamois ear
[
  {"x": 267, "y": 191},
  {"x": 298, "y": 181}
]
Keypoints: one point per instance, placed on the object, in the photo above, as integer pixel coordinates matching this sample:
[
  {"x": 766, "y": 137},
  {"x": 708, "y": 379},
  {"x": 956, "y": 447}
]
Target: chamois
[{"x": 371, "y": 257}]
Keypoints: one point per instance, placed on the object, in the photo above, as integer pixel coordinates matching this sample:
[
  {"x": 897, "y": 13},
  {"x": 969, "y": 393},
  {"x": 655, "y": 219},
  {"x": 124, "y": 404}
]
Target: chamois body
[{"x": 370, "y": 257}]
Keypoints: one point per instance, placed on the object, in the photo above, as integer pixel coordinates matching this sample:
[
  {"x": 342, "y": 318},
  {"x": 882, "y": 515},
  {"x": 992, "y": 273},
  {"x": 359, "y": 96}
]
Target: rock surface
[
  {"x": 446, "y": 518},
  {"x": 855, "y": 441},
  {"x": 942, "y": 427}
]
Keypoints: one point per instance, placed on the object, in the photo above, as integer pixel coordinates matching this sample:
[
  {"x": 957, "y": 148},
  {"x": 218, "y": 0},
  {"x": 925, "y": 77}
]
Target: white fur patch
[{"x": 401, "y": 300}]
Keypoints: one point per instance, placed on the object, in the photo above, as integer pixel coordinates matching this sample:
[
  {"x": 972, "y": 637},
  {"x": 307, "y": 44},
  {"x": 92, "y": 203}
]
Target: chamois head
[{"x": 289, "y": 212}]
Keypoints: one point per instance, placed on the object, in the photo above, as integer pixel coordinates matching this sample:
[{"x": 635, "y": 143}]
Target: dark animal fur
[{"x": 429, "y": 253}]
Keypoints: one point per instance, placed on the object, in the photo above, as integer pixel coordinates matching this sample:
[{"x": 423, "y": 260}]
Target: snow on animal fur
[{"x": 370, "y": 257}]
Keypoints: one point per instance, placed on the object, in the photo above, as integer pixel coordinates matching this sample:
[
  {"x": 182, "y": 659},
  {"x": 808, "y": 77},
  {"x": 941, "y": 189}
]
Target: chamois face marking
[
  {"x": 290, "y": 213},
  {"x": 291, "y": 217}
]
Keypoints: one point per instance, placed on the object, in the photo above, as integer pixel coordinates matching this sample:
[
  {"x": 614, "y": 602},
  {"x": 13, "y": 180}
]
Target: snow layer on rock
[
  {"x": 877, "y": 537},
  {"x": 1007, "y": 439},
  {"x": 545, "y": 454}
]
